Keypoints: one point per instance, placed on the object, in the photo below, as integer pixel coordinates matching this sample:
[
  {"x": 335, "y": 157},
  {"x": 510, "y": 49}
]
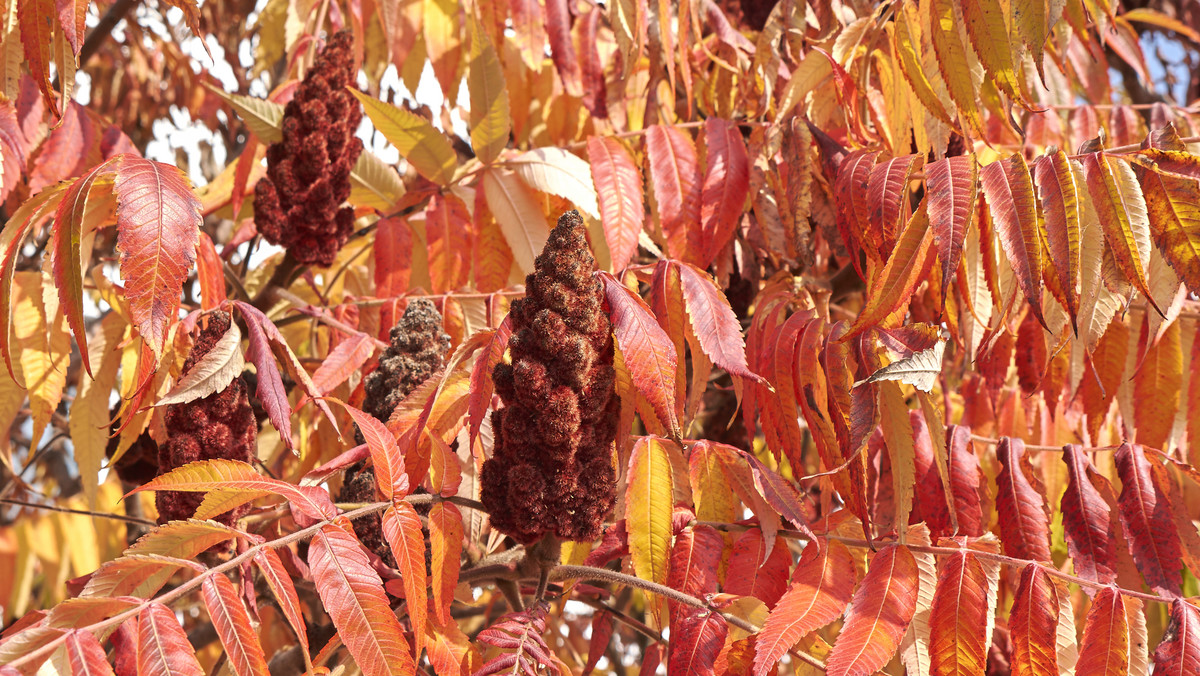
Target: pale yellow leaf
[
  {"x": 490, "y": 121},
  {"x": 518, "y": 214},
  {"x": 417, "y": 139},
  {"x": 558, "y": 172}
]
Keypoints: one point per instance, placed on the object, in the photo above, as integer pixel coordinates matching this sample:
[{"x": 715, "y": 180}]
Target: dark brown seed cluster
[
  {"x": 552, "y": 469},
  {"x": 418, "y": 346},
  {"x": 298, "y": 204},
  {"x": 219, "y": 426}
]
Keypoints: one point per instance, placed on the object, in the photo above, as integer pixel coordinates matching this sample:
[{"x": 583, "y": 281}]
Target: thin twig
[
  {"x": 637, "y": 625},
  {"x": 83, "y": 512}
]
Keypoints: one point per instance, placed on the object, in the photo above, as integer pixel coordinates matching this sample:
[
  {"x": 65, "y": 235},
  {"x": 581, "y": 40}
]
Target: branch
[
  {"x": 98, "y": 35},
  {"x": 84, "y": 512}
]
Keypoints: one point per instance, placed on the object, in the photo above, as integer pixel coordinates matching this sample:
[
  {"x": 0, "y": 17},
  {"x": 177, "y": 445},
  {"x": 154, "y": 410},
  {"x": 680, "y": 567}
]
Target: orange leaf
[
  {"x": 163, "y": 648},
  {"x": 1060, "y": 204},
  {"x": 958, "y": 618},
  {"x": 158, "y": 222},
  {"x": 402, "y": 528},
  {"x": 878, "y": 615},
  {"x": 1024, "y": 530},
  {"x": 717, "y": 328},
  {"x": 85, "y": 655},
  {"x": 907, "y": 267},
  {"x": 675, "y": 178},
  {"x": 647, "y": 349},
  {"x": 1156, "y": 385},
  {"x": 1009, "y": 191},
  {"x": 353, "y": 595},
  {"x": 1033, "y": 624},
  {"x": 754, "y": 570},
  {"x": 1173, "y": 206},
  {"x": 1147, "y": 521},
  {"x": 343, "y": 361},
  {"x": 232, "y": 623},
  {"x": 36, "y": 19},
  {"x": 619, "y": 187},
  {"x": 951, "y": 187},
  {"x": 1121, "y": 210},
  {"x": 209, "y": 273},
  {"x": 820, "y": 589},
  {"x": 448, "y": 231},
  {"x": 445, "y": 545},
  {"x": 726, "y": 182},
  {"x": 1106, "y": 647},
  {"x": 280, "y": 582}
]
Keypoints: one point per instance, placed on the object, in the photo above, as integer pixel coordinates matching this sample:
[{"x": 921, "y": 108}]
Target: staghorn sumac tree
[{"x": 699, "y": 337}]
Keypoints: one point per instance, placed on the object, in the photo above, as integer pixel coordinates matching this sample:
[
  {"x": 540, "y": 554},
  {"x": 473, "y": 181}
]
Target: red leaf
[
  {"x": 280, "y": 582},
  {"x": 651, "y": 660},
  {"x": 386, "y": 457},
  {"x": 36, "y": 19},
  {"x": 1179, "y": 652},
  {"x": 821, "y": 587},
  {"x": 1009, "y": 191},
  {"x": 445, "y": 546},
  {"x": 907, "y": 267},
  {"x": 342, "y": 361},
  {"x": 448, "y": 230},
  {"x": 716, "y": 326},
  {"x": 697, "y": 639},
  {"x": 595, "y": 88},
  {"x": 269, "y": 387},
  {"x": 163, "y": 648},
  {"x": 1147, "y": 522},
  {"x": 887, "y": 197},
  {"x": 1087, "y": 521},
  {"x": 950, "y": 186},
  {"x": 1105, "y": 648},
  {"x": 964, "y": 480},
  {"x": 158, "y": 221},
  {"x": 675, "y": 178},
  {"x": 232, "y": 623},
  {"x": 1060, "y": 204},
  {"x": 353, "y": 595},
  {"x": 393, "y": 264},
  {"x": 520, "y": 632},
  {"x": 753, "y": 571},
  {"x": 602, "y": 631},
  {"x": 647, "y": 349},
  {"x": 209, "y": 273},
  {"x": 481, "y": 376},
  {"x": 402, "y": 528},
  {"x": 12, "y": 149},
  {"x": 1033, "y": 624},
  {"x": 958, "y": 617},
  {"x": 86, "y": 656},
  {"x": 70, "y": 149},
  {"x": 779, "y": 493},
  {"x": 1024, "y": 530},
  {"x": 853, "y": 213},
  {"x": 726, "y": 182},
  {"x": 562, "y": 51},
  {"x": 619, "y": 186},
  {"x": 693, "y": 567},
  {"x": 878, "y": 615}
]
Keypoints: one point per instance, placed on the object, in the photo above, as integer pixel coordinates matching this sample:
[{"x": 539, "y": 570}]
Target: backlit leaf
[
  {"x": 1024, "y": 529},
  {"x": 1157, "y": 385},
  {"x": 716, "y": 326},
  {"x": 950, "y": 185},
  {"x": 753, "y": 571},
  {"x": 1087, "y": 521},
  {"x": 163, "y": 648},
  {"x": 232, "y": 623},
  {"x": 954, "y": 62},
  {"x": 1147, "y": 521},
  {"x": 445, "y": 546},
  {"x": 1060, "y": 204},
  {"x": 906, "y": 268},
  {"x": 726, "y": 182},
  {"x": 695, "y": 557},
  {"x": 417, "y": 140},
  {"x": 517, "y": 213},
  {"x": 490, "y": 121},
  {"x": 821, "y": 587},
  {"x": 675, "y": 179},
  {"x": 1173, "y": 207},
  {"x": 988, "y": 30},
  {"x": 158, "y": 223},
  {"x": 449, "y": 235},
  {"x": 887, "y": 195},
  {"x": 1106, "y": 647},
  {"x": 343, "y": 361},
  {"x": 959, "y": 616},
  {"x": 699, "y": 637},
  {"x": 853, "y": 212},
  {"x": 1009, "y": 191},
  {"x": 353, "y": 595},
  {"x": 402, "y": 528},
  {"x": 85, "y": 655},
  {"x": 648, "y": 507},
  {"x": 1033, "y": 624},
  {"x": 878, "y": 614},
  {"x": 619, "y": 187},
  {"x": 1121, "y": 209},
  {"x": 558, "y": 172},
  {"x": 280, "y": 582},
  {"x": 211, "y": 373},
  {"x": 386, "y": 457},
  {"x": 1179, "y": 651}
]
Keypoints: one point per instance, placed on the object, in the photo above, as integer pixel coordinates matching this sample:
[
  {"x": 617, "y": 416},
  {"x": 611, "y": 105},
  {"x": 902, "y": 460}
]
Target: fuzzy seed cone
[
  {"x": 298, "y": 204},
  {"x": 418, "y": 346},
  {"x": 221, "y": 425},
  {"x": 552, "y": 469}
]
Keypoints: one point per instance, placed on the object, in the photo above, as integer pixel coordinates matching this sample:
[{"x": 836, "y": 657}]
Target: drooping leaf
[
  {"x": 386, "y": 456},
  {"x": 648, "y": 506},
  {"x": 12, "y": 149},
  {"x": 211, "y": 373},
  {"x": 1033, "y": 624},
  {"x": 700, "y": 636},
  {"x": 158, "y": 223},
  {"x": 481, "y": 376},
  {"x": 1024, "y": 528},
  {"x": 85, "y": 655},
  {"x": 343, "y": 361},
  {"x": 897, "y": 431},
  {"x": 907, "y": 44},
  {"x": 1009, "y": 191},
  {"x": 878, "y": 614},
  {"x": 887, "y": 196},
  {"x": 520, "y": 635},
  {"x": 953, "y": 61},
  {"x": 36, "y": 20},
  {"x": 850, "y": 190},
  {"x": 964, "y": 480},
  {"x": 753, "y": 571},
  {"x": 417, "y": 140},
  {"x": 1157, "y": 384},
  {"x": 1121, "y": 209},
  {"x": 209, "y": 273},
  {"x": 695, "y": 557},
  {"x": 1087, "y": 522},
  {"x": 1106, "y": 647},
  {"x": 562, "y": 48},
  {"x": 280, "y": 582},
  {"x": 619, "y": 187},
  {"x": 445, "y": 547},
  {"x": 959, "y": 616},
  {"x": 1179, "y": 651},
  {"x": 906, "y": 268},
  {"x": 647, "y": 349},
  {"x": 45, "y": 348},
  {"x": 675, "y": 178},
  {"x": 353, "y": 595},
  {"x": 1147, "y": 521},
  {"x": 920, "y": 369},
  {"x": 1173, "y": 207},
  {"x": 988, "y": 30},
  {"x": 1060, "y": 204},
  {"x": 402, "y": 529},
  {"x": 163, "y": 648},
  {"x": 490, "y": 120},
  {"x": 950, "y": 186},
  {"x": 821, "y": 587},
  {"x": 716, "y": 326},
  {"x": 232, "y": 623},
  {"x": 449, "y": 236},
  {"x": 726, "y": 182},
  {"x": 1029, "y": 22},
  {"x": 558, "y": 172}
]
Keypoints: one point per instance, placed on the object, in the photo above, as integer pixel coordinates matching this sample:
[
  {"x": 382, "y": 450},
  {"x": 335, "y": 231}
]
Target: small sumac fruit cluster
[
  {"x": 298, "y": 204},
  {"x": 552, "y": 470},
  {"x": 219, "y": 426},
  {"x": 418, "y": 347}
]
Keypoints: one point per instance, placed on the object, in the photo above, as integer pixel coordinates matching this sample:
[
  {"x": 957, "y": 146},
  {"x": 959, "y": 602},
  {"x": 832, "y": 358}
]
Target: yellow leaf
[
  {"x": 518, "y": 214},
  {"x": 373, "y": 183},
  {"x": 88, "y": 422},
  {"x": 263, "y": 117},
  {"x": 988, "y": 30},
  {"x": 648, "y": 508},
  {"x": 490, "y": 121},
  {"x": 443, "y": 42},
  {"x": 558, "y": 172},
  {"x": 898, "y": 434},
  {"x": 418, "y": 141},
  {"x": 954, "y": 62},
  {"x": 907, "y": 44},
  {"x": 45, "y": 349}
]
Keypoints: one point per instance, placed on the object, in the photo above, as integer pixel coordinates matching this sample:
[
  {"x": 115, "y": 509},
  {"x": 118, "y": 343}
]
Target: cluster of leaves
[{"x": 904, "y": 340}]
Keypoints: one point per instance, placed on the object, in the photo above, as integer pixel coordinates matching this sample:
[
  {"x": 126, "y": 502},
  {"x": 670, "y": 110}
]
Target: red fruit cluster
[
  {"x": 552, "y": 469},
  {"x": 418, "y": 345},
  {"x": 219, "y": 426},
  {"x": 297, "y": 205}
]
